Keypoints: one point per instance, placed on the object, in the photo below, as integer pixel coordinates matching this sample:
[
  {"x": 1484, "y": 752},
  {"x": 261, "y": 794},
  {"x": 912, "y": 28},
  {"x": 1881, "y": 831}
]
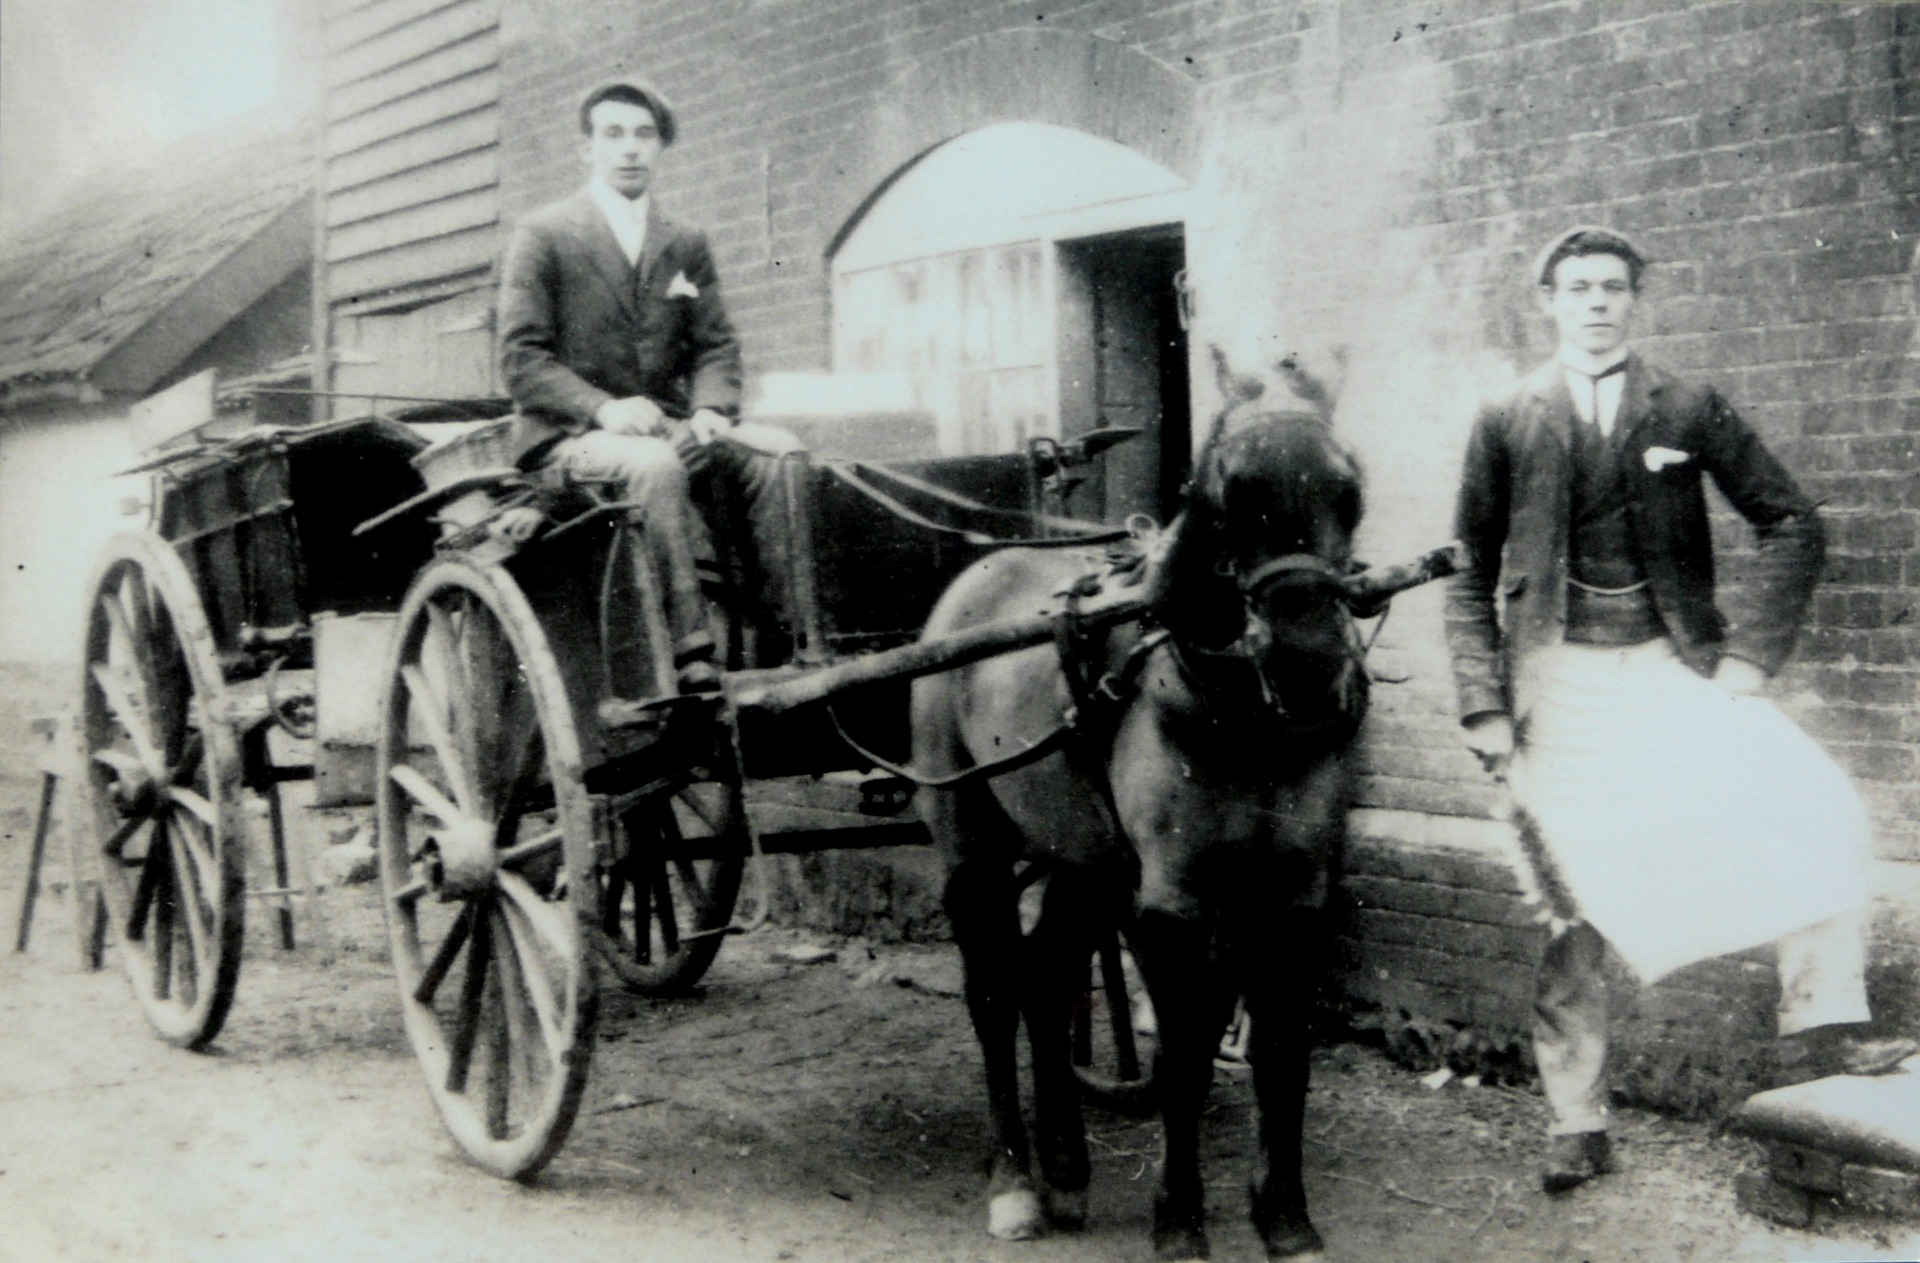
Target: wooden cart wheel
[
  {"x": 665, "y": 904},
  {"x": 487, "y": 840},
  {"x": 163, "y": 784},
  {"x": 1113, "y": 1032}
]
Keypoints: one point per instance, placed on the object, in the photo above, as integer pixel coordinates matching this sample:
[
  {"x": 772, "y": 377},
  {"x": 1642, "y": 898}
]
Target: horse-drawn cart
[{"x": 549, "y": 814}]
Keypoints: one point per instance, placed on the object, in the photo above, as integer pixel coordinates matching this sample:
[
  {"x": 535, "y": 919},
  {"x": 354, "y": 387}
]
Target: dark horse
[{"x": 1201, "y": 812}]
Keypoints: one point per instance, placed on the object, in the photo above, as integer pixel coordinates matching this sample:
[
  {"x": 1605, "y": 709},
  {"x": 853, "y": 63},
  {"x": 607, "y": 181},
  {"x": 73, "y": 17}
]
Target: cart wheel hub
[
  {"x": 460, "y": 860},
  {"x": 134, "y": 793}
]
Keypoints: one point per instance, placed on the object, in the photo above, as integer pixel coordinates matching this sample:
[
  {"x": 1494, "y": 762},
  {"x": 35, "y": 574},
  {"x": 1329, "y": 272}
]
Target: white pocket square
[
  {"x": 1658, "y": 458},
  {"x": 681, "y": 287}
]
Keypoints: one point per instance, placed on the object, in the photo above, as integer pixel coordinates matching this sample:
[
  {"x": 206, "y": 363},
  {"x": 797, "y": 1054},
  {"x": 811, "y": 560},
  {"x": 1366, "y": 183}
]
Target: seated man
[{"x": 623, "y": 364}]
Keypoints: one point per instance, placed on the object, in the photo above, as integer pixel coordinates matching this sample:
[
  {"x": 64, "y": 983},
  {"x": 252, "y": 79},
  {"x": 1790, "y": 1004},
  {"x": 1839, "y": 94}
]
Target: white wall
[{"x": 58, "y": 505}]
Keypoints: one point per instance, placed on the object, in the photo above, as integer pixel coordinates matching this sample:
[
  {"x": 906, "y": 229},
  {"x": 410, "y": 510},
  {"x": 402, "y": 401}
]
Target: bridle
[{"x": 1306, "y": 572}]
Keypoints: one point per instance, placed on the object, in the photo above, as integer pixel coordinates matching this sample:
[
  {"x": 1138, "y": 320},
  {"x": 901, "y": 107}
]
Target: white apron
[{"x": 1684, "y": 821}]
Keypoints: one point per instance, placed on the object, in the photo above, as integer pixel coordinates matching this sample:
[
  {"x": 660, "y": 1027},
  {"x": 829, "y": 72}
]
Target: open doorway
[{"x": 1123, "y": 362}]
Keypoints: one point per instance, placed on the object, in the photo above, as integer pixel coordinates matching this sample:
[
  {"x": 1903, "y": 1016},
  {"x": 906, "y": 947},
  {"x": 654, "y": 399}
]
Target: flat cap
[
  {"x": 636, "y": 90},
  {"x": 1586, "y": 239}
]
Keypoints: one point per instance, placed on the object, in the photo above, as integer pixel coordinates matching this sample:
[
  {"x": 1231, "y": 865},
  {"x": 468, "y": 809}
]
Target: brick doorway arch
[{"x": 1071, "y": 80}]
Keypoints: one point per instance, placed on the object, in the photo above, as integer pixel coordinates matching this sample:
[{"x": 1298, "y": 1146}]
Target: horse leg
[
  {"x": 981, "y": 905},
  {"x": 1279, "y": 983},
  {"x": 1058, "y": 950},
  {"x": 1192, "y": 1007}
]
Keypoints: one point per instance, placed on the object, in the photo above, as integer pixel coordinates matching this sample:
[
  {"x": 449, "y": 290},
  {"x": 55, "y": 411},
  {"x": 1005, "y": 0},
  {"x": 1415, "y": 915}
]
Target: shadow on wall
[{"x": 1297, "y": 248}]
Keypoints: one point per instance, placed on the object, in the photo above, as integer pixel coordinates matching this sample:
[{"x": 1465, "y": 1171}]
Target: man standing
[
  {"x": 1673, "y": 812},
  {"x": 618, "y": 352}
]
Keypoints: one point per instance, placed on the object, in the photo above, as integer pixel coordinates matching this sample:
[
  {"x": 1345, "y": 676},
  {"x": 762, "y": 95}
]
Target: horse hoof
[
  {"x": 1067, "y": 1208},
  {"x": 1014, "y": 1216}
]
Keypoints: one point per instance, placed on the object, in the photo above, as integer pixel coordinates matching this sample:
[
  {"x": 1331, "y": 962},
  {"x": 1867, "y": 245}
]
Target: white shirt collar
[
  {"x": 627, "y": 217},
  {"x": 1595, "y": 398},
  {"x": 1581, "y": 361}
]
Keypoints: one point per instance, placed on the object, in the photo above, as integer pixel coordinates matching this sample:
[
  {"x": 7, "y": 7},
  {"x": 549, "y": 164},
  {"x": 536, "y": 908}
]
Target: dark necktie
[{"x": 1593, "y": 385}]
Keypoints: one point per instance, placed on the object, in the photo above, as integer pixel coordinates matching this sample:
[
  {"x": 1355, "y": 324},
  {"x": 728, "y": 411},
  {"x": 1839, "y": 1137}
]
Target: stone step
[{"x": 1845, "y": 1142}]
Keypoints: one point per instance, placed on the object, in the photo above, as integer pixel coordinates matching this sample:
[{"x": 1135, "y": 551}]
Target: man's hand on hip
[
  {"x": 1490, "y": 737},
  {"x": 635, "y": 414}
]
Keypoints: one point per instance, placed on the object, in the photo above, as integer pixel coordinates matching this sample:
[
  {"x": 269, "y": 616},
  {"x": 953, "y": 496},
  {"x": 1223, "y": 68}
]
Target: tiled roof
[{"x": 76, "y": 282}]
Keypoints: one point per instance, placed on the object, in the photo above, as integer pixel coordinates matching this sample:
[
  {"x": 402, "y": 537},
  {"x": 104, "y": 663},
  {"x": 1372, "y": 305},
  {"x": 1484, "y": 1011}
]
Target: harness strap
[
  {"x": 855, "y": 476},
  {"x": 1092, "y": 713},
  {"x": 1031, "y": 753}
]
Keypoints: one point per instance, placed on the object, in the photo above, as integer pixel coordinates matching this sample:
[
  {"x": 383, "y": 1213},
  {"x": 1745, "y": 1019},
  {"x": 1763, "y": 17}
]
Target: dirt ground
[{"x": 826, "y": 1113}]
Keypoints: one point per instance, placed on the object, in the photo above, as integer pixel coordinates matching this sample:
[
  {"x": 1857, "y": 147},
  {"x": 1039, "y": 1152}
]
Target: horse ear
[
  {"x": 1235, "y": 388},
  {"x": 1310, "y": 388}
]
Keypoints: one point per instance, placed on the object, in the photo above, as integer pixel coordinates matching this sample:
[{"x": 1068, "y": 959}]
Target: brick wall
[
  {"x": 1373, "y": 179},
  {"x": 1377, "y": 175}
]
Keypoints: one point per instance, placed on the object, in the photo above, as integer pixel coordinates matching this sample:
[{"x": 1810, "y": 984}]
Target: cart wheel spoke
[
  {"x": 137, "y": 649},
  {"x": 523, "y": 1026},
  {"x": 192, "y": 843},
  {"x": 692, "y": 882},
  {"x": 196, "y": 803},
  {"x": 513, "y": 793},
  {"x": 163, "y": 787},
  {"x": 499, "y": 1035},
  {"x": 411, "y": 893},
  {"x": 422, "y": 791},
  {"x": 163, "y": 922},
  {"x": 663, "y": 911},
  {"x": 466, "y": 1029},
  {"x": 114, "y": 848},
  {"x": 613, "y": 891},
  {"x": 445, "y": 955},
  {"x": 433, "y": 716},
  {"x": 535, "y": 979},
  {"x": 667, "y": 910},
  {"x": 541, "y": 844},
  {"x": 546, "y": 921},
  {"x": 190, "y": 910},
  {"x": 134, "y": 720},
  {"x": 147, "y": 890},
  {"x": 472, "y": 687}
]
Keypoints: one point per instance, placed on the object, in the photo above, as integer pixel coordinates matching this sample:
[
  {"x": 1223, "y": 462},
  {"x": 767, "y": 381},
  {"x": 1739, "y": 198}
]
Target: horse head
[{"x": 1251, "y": 584}]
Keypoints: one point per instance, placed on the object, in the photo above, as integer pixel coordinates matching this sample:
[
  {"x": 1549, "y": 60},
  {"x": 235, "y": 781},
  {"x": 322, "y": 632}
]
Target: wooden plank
[
  {"x": 416, "y": 223},
  {"x": 415, "y": 149},
  {"x": 420, "y": 261},
  {"x": 459, "y": 174},
  {"x": 476, "y": 52},
  {"x": 480, "y": 90},
  {"x": 416, "y": 39},
  {"x": 359, "y": 25}
]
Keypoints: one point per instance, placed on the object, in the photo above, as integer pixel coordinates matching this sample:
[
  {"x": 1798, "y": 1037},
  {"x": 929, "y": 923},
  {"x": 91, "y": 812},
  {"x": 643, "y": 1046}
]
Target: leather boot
[
  {"x": 1574, "y": 1159},
  {"x": 1826, "y": 1051}
]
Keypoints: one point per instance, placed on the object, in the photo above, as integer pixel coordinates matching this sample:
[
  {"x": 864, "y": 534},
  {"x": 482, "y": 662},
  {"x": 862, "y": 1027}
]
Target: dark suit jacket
[
  {"x": 1513, "y": 517},
  {"x": 579, "y": 325}
]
